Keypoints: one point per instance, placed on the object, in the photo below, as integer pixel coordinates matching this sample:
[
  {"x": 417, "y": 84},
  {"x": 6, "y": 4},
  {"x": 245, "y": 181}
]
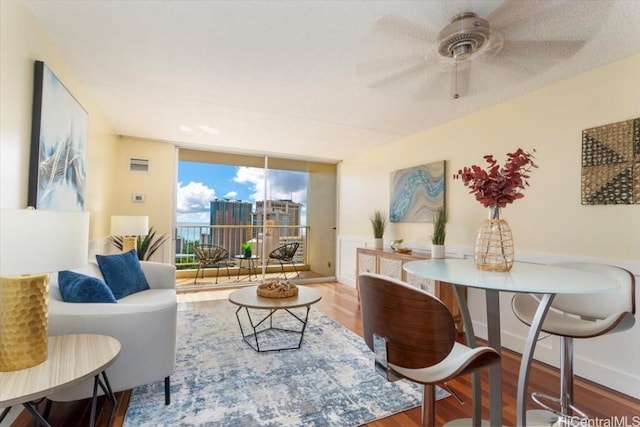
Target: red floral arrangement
[{"x": 495, "y": 185}]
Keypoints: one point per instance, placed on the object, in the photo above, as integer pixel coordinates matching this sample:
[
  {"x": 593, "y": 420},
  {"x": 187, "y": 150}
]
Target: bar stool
[
  {"x": 577, "y": 316},
  {"x": 413, "y": 336}
]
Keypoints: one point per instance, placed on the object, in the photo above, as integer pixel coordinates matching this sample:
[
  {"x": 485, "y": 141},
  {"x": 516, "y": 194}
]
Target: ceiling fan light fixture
[
  {"x": 462, "y": 50},
  {"x": 465, "y": 35}
]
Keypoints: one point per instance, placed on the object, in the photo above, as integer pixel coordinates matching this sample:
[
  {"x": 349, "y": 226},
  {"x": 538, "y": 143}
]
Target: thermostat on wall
[{"x": 137, "y": 198}]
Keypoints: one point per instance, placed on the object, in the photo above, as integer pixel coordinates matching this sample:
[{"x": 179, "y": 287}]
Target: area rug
[{"x": 220, "y": 380}]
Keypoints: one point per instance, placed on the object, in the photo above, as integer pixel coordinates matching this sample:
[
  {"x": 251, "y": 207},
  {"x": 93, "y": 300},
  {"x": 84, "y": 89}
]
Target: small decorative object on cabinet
[
  {"x": 439, "y": 234},
  {"x": 495, "y": 188},
  {"x": 390, "y": 264},
  {"x": 378, "y": 224},
  {"x": 396, "y": 244}
]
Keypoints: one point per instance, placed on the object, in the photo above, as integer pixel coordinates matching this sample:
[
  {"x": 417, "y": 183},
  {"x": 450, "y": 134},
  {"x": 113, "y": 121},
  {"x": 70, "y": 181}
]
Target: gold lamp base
[
  {"x": 129, "y": 242},
  {"x": 23, "y": 321}
]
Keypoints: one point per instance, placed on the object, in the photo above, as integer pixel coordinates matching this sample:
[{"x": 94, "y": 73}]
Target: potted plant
[
  {"x": 246, "y": 249},
  {"x": 146, "y": 246},
  {"x": 439, "y": 234},
  {"x": 378, "y": 224}
]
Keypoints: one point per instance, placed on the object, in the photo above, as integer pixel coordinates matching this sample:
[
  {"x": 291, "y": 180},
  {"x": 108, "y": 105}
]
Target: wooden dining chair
[{"x": 413, "y": 336}]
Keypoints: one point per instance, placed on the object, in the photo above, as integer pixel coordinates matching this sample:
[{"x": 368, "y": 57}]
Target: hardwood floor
[{"x": 340, "y": 302}]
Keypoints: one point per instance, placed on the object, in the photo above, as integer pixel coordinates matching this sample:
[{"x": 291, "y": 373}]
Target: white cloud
[
  {"x": 193, "y": 199},
  {"x": 285, "y": 185},
  {"x": 193, "y": 202}
]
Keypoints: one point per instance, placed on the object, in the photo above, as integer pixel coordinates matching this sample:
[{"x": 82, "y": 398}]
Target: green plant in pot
[
  {"x": 439, "y": 234},
  {"x": 146, "y": 245},
  {"x": 246, "y": 249},
  {"x": 379, "y": 221}
]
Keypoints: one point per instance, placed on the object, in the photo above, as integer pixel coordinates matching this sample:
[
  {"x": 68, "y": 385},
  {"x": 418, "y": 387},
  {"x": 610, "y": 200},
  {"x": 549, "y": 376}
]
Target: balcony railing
[{"x": 231, "y": 237}]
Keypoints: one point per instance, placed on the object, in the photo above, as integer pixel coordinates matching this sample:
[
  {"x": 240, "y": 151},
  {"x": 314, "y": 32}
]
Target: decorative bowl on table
[
  {"x": 402, "y": 250},
  {"x": 277, "y": 289}
]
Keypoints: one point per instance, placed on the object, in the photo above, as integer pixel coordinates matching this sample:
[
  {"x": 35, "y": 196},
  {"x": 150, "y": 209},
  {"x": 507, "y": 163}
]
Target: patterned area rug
[{"x": 220, "y": 381}]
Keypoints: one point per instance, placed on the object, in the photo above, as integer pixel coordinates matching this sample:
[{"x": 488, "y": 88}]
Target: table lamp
[
  {"x": 33, "y": 243},
  {"x": 129, "y": 227}
]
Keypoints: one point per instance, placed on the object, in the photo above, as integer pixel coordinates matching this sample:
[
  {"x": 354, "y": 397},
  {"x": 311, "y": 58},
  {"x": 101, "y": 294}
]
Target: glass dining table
[{"x": 545, "y": 280}]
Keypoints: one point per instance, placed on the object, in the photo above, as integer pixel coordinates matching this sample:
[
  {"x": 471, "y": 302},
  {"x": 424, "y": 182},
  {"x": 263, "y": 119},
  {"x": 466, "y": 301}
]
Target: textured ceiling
[{"x": 310, "y": 79}]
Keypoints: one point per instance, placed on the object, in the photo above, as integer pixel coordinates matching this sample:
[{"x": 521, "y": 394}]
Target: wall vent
[{"x": 139, "y": 165}]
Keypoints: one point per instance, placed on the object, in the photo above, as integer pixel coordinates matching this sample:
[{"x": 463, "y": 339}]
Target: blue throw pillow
[
  {"x": 123, "y": 273},
  {"x": 76, "y": 287}
]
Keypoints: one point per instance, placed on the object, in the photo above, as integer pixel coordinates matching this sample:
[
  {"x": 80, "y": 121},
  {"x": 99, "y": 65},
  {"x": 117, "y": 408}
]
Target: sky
[{"x": 199, "y": 183}]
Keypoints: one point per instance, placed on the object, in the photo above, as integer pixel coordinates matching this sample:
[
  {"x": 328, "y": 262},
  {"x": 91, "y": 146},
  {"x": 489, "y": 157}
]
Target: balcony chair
[
  {"x": 284, "y": 254},
  {"x": 420, "y": 337},
  {"x": 211, "y": 256},
  {"x": 577, "y": 316}
]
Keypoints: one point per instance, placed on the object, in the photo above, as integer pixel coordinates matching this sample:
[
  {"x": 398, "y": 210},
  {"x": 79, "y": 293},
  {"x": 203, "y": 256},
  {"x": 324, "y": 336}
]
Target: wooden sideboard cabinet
[{"x": 390, "y": 263}]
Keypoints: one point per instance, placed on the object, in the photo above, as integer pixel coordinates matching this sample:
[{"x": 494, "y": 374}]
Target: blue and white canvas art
[
  {"x": 58, "y": 143},
  {"x": 417, "y": 192}
]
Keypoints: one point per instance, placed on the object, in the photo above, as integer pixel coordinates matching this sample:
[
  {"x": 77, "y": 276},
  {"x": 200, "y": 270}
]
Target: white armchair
[{"x": 144, "y": 323}]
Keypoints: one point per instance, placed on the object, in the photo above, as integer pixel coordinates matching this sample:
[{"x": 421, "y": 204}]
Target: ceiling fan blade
[
  {"x": 403, "y": 28},
  {"x": 549, "y": 20},
  {"x": 545, "y": 49},
  {"x": 510, "y": 12},
  {"x": 389, "y": 64},
  {"x": 403, "y": 74},
  {"x": 433, "y": 87}
]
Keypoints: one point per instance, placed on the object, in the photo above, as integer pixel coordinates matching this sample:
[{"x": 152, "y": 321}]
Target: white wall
[{"x": 549, "y": 224}]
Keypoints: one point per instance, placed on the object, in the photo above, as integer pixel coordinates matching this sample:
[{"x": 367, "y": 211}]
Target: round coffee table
[{"x": 273, "y": 337}]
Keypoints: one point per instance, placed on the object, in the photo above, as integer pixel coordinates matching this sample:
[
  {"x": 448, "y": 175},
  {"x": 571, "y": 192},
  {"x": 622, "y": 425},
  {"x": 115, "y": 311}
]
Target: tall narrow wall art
[
  {"x": 611, "y": 164},
  {"x": 57, "y": 172},
  {"x": 417, "y": 192}
]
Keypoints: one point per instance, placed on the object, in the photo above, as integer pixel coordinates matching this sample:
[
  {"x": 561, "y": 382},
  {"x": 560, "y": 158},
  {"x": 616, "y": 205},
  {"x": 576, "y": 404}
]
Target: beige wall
[
  {"x": 321, "y": 218},
  {"x": 549, "y": 223},
  {"x": 550, "y": 218},
  {"x": 158, "y": 186},
  {"x": 21, "y": 43}
]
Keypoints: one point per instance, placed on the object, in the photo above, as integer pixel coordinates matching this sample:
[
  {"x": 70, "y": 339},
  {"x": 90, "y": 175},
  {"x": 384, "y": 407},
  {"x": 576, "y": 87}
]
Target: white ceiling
[{"x": 295, "y": 79}]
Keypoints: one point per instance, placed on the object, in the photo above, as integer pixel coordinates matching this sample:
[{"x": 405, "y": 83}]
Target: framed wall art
[
  {"x": 57, "y": 173},
  {"x": 417, "y": 192},
  {"x": 611, "y": 164}
]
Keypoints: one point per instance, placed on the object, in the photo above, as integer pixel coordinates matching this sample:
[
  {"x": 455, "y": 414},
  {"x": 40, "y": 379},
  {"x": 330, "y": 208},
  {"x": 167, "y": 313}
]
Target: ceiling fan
[{"x": 517, "y": 39}]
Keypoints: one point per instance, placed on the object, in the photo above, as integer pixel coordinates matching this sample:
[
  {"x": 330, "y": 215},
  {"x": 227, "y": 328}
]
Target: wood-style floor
[{"x": 340, "y": 302}]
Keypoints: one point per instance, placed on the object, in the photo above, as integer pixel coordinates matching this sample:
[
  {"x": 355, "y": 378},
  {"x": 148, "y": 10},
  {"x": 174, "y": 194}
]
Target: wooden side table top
[{"x": 71, "y": 359}]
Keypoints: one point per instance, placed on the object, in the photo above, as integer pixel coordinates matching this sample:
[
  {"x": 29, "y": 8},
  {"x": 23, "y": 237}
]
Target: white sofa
[{"x": 144, "y": 323}]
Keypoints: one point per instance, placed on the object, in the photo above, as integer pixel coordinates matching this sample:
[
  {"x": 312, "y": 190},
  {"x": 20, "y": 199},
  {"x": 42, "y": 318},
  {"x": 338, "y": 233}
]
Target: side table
[
  {"x": 72, "y": 359},
  {"x": 252, "y": 264}
]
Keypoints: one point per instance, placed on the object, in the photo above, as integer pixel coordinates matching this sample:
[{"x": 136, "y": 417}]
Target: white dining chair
[{"x": 577, "y": 316}]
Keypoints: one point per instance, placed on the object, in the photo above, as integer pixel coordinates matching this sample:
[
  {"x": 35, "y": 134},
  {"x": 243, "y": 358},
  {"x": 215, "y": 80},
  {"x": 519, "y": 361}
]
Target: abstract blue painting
[
  {"x": 58, "y": 142},
  {"x": 417, "y": 192}
]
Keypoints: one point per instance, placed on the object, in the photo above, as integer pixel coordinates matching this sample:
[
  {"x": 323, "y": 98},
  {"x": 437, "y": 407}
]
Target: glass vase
[{"x": 493, "y": 249}]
